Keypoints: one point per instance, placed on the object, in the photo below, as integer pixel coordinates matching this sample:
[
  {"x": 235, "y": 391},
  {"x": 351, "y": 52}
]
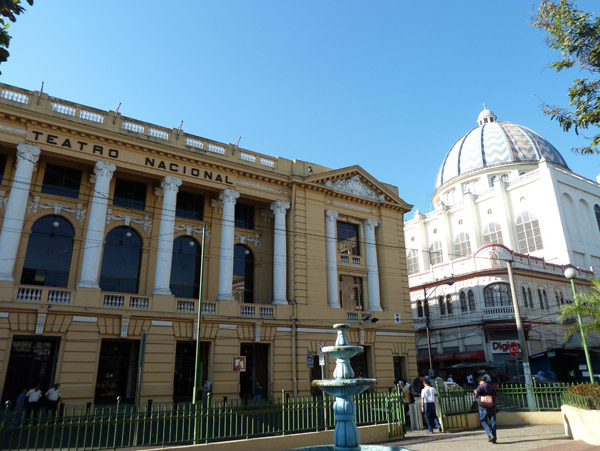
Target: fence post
[
  {"x": 3, "y": 424},
  {"x": 283, "y": 411},
  {"x": 115, "y": 423}
]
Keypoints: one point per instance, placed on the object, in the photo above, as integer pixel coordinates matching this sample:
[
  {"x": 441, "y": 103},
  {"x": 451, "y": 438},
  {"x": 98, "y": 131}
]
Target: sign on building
[
  {"x": 504, "y": 346},
  {"x": 239, "y": 364},
  {"x": 310, "y": 360}
]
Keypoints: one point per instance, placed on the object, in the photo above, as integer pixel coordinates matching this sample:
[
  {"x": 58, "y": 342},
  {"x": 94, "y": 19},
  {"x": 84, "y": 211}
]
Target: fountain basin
[
  {"x": 344, "y": 387},
  {"x": 342, "y": 352}
]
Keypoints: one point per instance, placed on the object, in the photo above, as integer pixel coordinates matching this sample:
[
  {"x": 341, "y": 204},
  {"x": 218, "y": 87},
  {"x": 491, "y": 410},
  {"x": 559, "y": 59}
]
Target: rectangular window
[
  {"x": 130, "y": 194},
  {"x": 3, "y": 158},
  {"x": 61, "y": 181},
  {"x": 351, "y": 296},
  {"x": 189, "y": 205},
  {"x": 347, "y": 238},
  {"x": 244, "y": 216}
]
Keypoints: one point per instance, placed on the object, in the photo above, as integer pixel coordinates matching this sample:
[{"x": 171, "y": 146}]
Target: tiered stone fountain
[{"x": 343, "y": 386}]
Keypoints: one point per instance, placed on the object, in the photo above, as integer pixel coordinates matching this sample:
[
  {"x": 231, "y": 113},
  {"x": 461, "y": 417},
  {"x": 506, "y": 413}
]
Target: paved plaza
[{"x": 546, "y": 437}]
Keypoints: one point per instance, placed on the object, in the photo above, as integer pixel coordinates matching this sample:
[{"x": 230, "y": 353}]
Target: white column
[
  {"x": 372, "y": 268},
  {"x": 27, "y": 157},
  {"x": 331, "y": 257},
  {"x": 228, "y": 197},
  {"x": 279, "y": 207},
  {"x": 164, "y": 256},
  {"x": 94, "y": 236}
]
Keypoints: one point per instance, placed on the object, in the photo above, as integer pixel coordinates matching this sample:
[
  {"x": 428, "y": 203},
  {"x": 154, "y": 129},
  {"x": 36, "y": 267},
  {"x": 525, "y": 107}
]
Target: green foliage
[
  {"x": 589, "y": 391},
  {"x": 9, "y": 9},
  {"x": 576, "y": 35},
  {"x": 588, "y": 307}
]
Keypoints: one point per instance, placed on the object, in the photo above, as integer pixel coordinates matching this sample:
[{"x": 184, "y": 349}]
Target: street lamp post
[
  {"x": 571, "y": 274},
  {"x": 448, "y": 282},
  {"x": 197, "y": 395}
]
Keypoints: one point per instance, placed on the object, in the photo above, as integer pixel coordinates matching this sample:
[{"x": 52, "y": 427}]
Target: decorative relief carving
[
  {"x": 217, "y": 205},
  {"x": 33, "y": 207},
  {"x": 249, "y": 239},
  {"x": 28, "y": 152},
  {"x": 354, "y": 186},
  {"x": 127, "y": 220},
  {"x": 189, "y": 230},
  {"x": 229, "y": 196},
  {"x": 268, "y": 215},
  {"x": 171, "y": 183},
  {"x": 280, "y": 207}
]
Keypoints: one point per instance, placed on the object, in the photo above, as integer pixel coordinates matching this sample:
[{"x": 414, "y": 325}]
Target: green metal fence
[{"x": 162, "y": 425}]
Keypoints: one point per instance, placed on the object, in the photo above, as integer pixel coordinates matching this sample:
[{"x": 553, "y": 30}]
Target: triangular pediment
[{"x": 355, "y": 181}]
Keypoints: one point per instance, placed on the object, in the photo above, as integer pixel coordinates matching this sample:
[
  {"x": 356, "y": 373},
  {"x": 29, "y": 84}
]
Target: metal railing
[{"x": 125, "y": 426}]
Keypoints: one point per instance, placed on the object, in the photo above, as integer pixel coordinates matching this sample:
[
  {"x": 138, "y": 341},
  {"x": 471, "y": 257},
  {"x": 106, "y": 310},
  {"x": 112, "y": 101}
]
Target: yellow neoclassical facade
[{"x": 100, "y": 250}]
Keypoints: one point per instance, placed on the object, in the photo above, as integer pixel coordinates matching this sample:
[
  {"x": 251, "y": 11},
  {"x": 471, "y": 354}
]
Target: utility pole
[
  {"x": 522, "y": 341},
  {"x": 197, "y": 397}
]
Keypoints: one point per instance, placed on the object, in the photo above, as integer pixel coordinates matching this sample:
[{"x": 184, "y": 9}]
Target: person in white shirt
[
  {"x": 470, "y": 379},
  {"x": 53, "y": 398},
  {"x": 428, "y": 396},
  {"x": 33, "y": 400}
]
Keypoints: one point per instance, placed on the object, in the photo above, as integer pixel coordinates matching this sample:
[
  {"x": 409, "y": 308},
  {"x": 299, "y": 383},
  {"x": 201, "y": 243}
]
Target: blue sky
[{"x": 388, "y": 85}]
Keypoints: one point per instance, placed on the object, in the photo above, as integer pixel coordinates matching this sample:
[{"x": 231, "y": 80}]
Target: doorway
[
  {"x": 32, "y": 361},
  {"x": 117, "y": 370},
  {"x": 185, "y": 369},
  {"x": 257, "y": 369}
]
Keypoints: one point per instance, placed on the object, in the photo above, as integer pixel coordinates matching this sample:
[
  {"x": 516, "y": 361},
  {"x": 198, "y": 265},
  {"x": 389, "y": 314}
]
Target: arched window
[
  {"x": 243, "y": 274},
  {"x": 48, "y": 255},
  {"x": 529, "y": 297},
  {"x": 463, "y": 302},
  {"x": 185, "y": 268},
  {"x": 412, "y": 261},
  {"x": 121, "y": 261},
  {"x": 492, "y": 233},
  {"x": 471, "y": 301},
  {"x": 449, "y": 304},
  {"x": 597, "y": 211},
  {"x": 442, "y": 305},
  {"x": 524, "y": 294},
  {"x": 545, "y": 300},
  {"x": 497, "y": 295},
  {"x": 540, "y": 299},
  {"x": 420, "y": 309},
  {"x": 528, "y": 233},
  {"x": 462, "y": 245},
  {"x": 435, "y": 253},
  {"x": 559, "y": 298},
  {"x": 426, "y": 307}
]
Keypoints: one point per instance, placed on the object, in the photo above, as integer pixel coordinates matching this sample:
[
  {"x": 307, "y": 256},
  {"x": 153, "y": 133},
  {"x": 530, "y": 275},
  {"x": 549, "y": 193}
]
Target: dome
[{"x": 495, "y": 143}]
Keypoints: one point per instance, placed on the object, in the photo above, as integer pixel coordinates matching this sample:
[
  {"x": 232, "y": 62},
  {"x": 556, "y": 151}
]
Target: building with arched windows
[
  {"x": 102, "y": 220},
  {"x": 503, "y": 192}
]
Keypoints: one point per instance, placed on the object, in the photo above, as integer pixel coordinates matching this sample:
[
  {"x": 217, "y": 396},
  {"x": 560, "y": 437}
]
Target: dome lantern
[{"x": 486, "y": 116}]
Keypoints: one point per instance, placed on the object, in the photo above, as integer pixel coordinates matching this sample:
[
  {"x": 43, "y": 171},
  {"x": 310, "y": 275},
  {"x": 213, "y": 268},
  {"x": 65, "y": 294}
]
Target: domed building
[{"x": 502, "y": 193}]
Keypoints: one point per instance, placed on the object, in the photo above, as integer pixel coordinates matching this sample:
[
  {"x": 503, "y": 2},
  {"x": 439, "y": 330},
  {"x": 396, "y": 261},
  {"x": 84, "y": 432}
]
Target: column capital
[
  {"x": 28, "y": 152},
  {"x": 279, "y": 207},
  {"x": 331, "y": 215},
  {"x": 229, "y": 196},
  {"x": 104, "y": 169},
  {"x": 370, "y": 224},
  {"x": 171, "y": 183}
]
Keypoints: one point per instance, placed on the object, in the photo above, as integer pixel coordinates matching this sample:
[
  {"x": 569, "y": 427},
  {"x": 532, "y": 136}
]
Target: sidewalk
[{"x": 546, "y": 437}]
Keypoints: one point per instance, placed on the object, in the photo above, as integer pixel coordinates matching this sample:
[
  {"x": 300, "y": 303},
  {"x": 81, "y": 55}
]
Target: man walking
[
  {"x": 486, "y": 399},
  {"x": 428, "y": 396},
  {"x": 33, "y": 401}
]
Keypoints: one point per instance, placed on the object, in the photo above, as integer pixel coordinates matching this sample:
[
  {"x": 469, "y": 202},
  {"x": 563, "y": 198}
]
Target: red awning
[
  {"x": 443, "y": 357},
  {"x": 422, "y": 359},
  {"x": 471, "y": 355}
]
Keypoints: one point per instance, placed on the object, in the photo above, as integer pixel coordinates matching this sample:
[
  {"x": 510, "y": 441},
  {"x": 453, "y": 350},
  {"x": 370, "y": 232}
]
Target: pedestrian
[
  {"x": 20, "y": 407},
  {"x": 32, "y": 404},
  {"x": 53, "y": 399},
  {"x": 470, "y": 379},
  {"x": 258, "y": 393},
  {"x": 428, "y": 397},
  {"x": 450, "y": 378},
  {"x": 486, "y": 400},
  {"x": 418, "y": 384}
]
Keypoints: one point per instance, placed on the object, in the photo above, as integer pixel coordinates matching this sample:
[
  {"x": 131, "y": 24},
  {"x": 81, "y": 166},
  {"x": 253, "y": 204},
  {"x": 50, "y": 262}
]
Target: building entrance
[
  {"x": 117, "y": 371},
  {"x": 257, "y": 369},
  {"x": 32, "y": 361},
  {"x": 185, "y": 369}
]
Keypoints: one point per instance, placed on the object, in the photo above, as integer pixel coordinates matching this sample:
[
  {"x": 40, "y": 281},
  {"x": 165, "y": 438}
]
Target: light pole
[
  {"x": 198, "y": 368},
  {"x": 448, "y": 282},
  {"x": 571, "y": 274}
]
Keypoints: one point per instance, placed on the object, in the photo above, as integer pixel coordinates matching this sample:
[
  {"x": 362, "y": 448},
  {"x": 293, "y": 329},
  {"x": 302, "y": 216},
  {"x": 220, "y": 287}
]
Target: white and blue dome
[{"x": 495, "y": 143}]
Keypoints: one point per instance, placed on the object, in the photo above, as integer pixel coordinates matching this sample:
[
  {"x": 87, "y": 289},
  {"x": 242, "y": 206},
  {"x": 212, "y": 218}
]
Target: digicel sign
[{"x": 503, "y": 347}]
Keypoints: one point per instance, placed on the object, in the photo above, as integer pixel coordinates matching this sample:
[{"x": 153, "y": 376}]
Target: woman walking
[{"x": 486, "y": 399}]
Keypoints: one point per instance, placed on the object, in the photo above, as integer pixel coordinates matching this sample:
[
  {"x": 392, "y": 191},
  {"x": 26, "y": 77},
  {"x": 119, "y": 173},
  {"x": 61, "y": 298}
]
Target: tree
[
  {"x": 588, "y": 307},
  {"x": 576, "y": 35},
  {"x": 9, "y": 9}
]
